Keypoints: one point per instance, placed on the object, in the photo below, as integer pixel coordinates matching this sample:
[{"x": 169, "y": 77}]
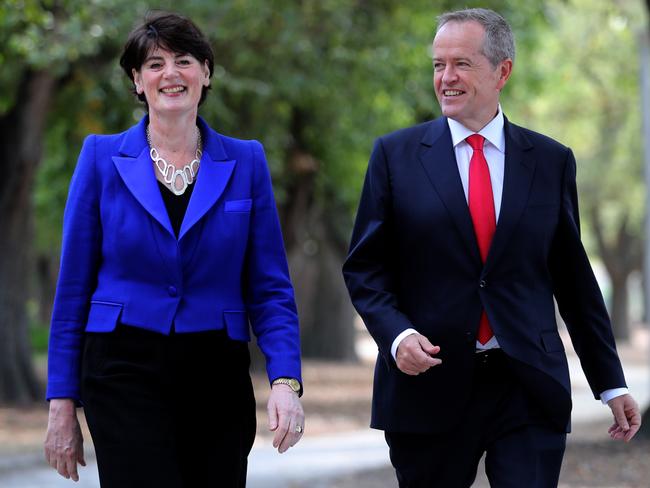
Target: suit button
[
  {"x": 482, "y": 283},
  {"x": 172, "y": 291},
  {"x": 469, "y": 337}
]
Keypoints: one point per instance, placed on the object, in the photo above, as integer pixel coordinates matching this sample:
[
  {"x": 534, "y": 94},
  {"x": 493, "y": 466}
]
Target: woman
[{"x": 171, "y": 245}]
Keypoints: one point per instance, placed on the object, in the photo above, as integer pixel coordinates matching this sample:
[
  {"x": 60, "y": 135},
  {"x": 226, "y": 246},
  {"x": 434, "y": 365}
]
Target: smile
[
  {"x": 173, "y": 89},
  {"x": 452, "y": 93}
]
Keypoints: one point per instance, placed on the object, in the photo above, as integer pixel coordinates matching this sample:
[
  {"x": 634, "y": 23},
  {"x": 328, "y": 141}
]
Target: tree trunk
[
  {"x": 47, "y": 269},
  {"x": 619, "y": 309},
  {"x": 21, "y": 135},
  {"x": 326, "y": 314},
  {"x": 315, "y": 256},
  {"x": 621, "y": 256},
  {"x": 315, "y": 259},
  {"x": 645, "y": 425}
]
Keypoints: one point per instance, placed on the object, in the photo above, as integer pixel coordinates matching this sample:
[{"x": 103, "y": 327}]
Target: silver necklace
[{"x": 172, "y": 176}]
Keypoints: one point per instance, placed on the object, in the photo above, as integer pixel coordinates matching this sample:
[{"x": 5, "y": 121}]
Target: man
[{"x": 467, "y": 228}]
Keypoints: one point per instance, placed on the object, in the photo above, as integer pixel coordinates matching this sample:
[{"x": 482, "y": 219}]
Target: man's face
[{"x": 467, "y": 85}]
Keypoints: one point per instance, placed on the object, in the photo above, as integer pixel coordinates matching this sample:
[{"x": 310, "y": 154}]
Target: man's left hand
[{"x": 627, "y": 417}]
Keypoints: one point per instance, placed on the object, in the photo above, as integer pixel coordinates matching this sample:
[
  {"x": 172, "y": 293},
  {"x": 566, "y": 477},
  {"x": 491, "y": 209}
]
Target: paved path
[
  {"x": 329, "y": 456},
  {"x": 319, "y": 457}
]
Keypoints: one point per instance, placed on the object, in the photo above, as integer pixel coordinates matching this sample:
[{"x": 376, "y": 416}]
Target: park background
[{"x": 316, "y": 82}]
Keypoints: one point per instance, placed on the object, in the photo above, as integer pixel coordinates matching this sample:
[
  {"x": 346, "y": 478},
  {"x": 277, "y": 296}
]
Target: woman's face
[{"x": 171, "y": 82}]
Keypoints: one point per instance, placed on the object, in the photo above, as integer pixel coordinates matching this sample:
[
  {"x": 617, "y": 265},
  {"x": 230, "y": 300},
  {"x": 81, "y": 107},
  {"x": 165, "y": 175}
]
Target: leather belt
[{"x": 489, "y": 358}]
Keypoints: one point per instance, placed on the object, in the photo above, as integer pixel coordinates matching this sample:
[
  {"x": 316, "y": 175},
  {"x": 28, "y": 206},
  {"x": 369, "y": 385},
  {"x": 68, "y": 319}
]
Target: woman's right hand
[{"x": 64, "y": 442}]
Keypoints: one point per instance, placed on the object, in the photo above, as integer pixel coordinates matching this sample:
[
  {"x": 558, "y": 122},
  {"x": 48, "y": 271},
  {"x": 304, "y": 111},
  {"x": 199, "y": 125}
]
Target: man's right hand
[{"x": 415, "y": 354}]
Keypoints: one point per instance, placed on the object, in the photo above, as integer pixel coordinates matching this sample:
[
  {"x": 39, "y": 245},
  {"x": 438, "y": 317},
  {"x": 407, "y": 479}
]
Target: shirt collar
[{"x": 493, "y": 131}]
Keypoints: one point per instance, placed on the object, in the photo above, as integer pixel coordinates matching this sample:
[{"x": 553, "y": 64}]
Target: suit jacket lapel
[
  {"x": 518, "y": 177},
  {"x": 439, "y": 161},
  {"x": 136, "y": 170},
  {"x": 214, "y": 174}
]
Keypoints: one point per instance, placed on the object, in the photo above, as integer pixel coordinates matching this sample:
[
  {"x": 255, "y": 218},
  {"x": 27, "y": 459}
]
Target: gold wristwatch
[{"x": 292, "y": 383}]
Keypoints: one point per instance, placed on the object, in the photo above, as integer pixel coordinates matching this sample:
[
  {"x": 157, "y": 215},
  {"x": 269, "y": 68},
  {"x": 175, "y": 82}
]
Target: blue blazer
[
  {"x": 414, "y": 262},
  {"x": 121, "y": 261}
]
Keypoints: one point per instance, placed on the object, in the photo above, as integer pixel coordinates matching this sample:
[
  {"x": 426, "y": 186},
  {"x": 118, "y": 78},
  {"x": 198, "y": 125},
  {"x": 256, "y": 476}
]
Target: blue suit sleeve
[
  {"x": 80, "y": 254},
  {"x": 269, "y": 294}
]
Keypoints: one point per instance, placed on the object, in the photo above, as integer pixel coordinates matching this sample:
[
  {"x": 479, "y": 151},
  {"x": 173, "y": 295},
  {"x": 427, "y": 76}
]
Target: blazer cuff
[{"x": 398, "y": 339}]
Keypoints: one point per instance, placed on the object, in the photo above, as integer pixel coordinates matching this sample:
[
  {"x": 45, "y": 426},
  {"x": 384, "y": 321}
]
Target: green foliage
[
  {"x": 52, "y": 35},
  {"x": 38, "y": 338},
  {"x": 330, "y": 66},
  {"x": 325, "y": 76},
  {"x": 589, "y": 100}
]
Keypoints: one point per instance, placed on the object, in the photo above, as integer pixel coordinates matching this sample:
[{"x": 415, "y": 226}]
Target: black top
[{"x": 176, "y": 205}]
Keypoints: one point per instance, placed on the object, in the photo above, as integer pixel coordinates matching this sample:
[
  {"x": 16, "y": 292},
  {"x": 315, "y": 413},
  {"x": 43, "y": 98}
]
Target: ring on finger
[{"x": 298, "y": 429}]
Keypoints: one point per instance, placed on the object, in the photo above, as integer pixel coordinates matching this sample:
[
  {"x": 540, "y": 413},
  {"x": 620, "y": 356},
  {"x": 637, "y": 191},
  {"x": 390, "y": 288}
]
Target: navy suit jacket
[
  {"x": 122, "y": 262},
  {"x": 414, "y": 262}
]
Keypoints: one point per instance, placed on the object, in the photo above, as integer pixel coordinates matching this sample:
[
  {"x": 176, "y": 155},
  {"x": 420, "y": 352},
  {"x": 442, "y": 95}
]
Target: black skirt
[{"x": 173, "y": 411}]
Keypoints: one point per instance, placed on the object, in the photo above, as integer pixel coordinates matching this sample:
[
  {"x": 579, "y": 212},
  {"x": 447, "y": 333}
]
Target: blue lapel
[
  {"x": 517, "y": 180},
  {"x": 437, "y": 156},
  {"x": 214, "y": 174},
  {"x": 136, "y": 170}
]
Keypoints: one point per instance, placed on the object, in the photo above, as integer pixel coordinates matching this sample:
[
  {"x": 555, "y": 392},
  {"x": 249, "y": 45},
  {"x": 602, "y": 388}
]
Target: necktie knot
[{"x": 476, "y": 141}]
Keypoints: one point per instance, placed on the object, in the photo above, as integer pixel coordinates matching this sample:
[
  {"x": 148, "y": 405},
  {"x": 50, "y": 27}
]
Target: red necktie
[{"x": 481, "y": 208}]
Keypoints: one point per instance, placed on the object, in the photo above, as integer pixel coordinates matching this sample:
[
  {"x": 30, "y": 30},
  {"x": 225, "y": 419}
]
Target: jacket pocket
[
  {"x": 236, "y": 323},
  {"x": 239, "y": 205},
  {"x": 103, "y": 316},
  {"x": 551, "y": 341}
]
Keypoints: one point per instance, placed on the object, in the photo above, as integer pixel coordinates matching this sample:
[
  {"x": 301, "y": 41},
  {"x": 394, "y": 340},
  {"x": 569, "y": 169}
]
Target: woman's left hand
[{"x": 286, "y": 417}]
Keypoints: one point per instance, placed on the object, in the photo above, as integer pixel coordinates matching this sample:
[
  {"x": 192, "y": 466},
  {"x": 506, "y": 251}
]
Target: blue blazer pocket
[
  {"x": 236, "y": 323},
  {"x": 103, "y": 316},
  {"x": 552, "y": 342},
  {"x": 244, "y": 205}
]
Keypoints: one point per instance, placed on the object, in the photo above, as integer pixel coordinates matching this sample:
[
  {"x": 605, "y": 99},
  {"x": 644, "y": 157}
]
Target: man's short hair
[{"x": 499, "y": 43}]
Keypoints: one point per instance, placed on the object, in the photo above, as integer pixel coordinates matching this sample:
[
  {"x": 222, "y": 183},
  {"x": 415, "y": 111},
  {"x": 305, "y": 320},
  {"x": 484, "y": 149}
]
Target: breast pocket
[{"x": 243, "y": 205}]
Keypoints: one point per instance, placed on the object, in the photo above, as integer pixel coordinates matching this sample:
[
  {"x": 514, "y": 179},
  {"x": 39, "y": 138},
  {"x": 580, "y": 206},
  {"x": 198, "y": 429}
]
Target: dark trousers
[
  {"x": 172, "y": 411},
  {"x": 521, "y": 449}
]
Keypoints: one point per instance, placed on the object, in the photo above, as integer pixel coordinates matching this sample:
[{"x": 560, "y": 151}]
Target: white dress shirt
[{"x": 494, "y": 150}]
